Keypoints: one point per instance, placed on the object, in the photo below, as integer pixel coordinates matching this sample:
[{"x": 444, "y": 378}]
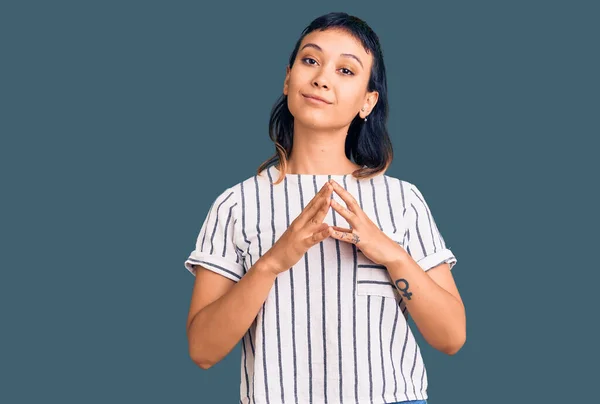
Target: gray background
[{"x": 122, "y": 121}]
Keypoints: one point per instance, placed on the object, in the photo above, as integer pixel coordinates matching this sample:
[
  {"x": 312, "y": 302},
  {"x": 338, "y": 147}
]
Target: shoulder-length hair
[{"x": 367, "y": 143}]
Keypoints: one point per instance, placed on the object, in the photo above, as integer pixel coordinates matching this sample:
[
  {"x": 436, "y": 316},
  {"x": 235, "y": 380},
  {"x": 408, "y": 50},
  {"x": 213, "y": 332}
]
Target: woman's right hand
[{"x": 305, "y": 231}]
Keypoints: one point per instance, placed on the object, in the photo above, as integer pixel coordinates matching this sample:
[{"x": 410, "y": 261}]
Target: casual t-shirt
[{"x": 333, "y": 328}]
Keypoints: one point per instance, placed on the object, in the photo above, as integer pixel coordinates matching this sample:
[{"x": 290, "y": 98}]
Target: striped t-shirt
[{"x": 333, "y": 328}]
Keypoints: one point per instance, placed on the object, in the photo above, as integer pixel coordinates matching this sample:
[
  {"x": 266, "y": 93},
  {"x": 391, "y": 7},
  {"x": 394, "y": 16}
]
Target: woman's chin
[
  {"x": 312, "y": 123},
  {"x": 311, "y": 119}
]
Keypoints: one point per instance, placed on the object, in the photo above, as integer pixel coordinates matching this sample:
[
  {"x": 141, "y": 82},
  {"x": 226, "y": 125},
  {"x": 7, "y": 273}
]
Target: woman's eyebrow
[{"x": 348, "y": 55}]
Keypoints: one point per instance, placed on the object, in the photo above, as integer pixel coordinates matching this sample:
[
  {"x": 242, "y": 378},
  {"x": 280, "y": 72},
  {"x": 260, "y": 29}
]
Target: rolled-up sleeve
[
  {"x": 215, "y": 246},
  {"x": 425, "y": 243}
]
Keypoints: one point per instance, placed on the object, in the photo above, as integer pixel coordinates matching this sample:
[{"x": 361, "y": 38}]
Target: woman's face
[{"x": 332, "y": 65}]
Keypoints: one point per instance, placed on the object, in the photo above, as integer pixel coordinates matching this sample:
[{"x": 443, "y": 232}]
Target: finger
[
  {"x": 324, "y": 205},
  {"x": 321, "y": 234},
  {"x": 341, "y": 229},
  {"x": 349, "y": 237},
  {"x": 316, "y": 203},
  {"x": 346, "y": 196},
  {"x": 345, "y": 213},
  {"x": 316, "y": 197},
  {"x": 310, "y": 205},
  {"x": 320, "y": 198}
]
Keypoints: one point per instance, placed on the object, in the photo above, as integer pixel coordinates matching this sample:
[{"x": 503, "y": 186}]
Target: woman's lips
[{"x": 314, "y": 100}]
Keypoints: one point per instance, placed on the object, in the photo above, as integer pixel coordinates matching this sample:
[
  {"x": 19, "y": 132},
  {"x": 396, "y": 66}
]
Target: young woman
[{"x": 316, "y": 261}]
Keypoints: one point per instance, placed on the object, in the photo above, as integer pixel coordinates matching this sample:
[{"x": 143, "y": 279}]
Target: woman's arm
[
  {"x": 215, "y": 330},
  {"x": 433, "y": 301}
]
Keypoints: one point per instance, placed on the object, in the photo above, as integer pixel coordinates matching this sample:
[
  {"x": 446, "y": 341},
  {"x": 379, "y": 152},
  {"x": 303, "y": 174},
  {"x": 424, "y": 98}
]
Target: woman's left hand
[{"x": 365, "y": 234}]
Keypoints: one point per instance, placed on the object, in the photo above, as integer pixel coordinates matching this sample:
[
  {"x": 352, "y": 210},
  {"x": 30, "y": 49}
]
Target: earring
[{"x": 363, "y": 109}]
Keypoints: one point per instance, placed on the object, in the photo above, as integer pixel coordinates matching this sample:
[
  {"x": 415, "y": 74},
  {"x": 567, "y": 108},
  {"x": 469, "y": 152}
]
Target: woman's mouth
[{"x": 315, "y": 101}]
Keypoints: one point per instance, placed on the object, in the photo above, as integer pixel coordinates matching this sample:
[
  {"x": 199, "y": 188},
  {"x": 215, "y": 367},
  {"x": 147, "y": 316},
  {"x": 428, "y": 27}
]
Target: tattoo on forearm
[{"x": 403, "y": 288}]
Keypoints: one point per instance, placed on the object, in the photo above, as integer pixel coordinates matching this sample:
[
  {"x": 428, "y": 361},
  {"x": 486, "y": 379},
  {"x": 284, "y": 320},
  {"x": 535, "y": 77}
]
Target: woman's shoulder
[
  {"x": 244, "y": 183},
  {"x": 391, "y": 179}
]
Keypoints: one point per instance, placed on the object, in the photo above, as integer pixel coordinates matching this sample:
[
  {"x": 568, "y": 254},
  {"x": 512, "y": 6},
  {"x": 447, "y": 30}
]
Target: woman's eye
[{"x": 349, "y": 72}]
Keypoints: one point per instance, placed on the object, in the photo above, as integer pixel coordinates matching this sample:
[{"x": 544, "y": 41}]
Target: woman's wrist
[{"x": 266, "y": 265}]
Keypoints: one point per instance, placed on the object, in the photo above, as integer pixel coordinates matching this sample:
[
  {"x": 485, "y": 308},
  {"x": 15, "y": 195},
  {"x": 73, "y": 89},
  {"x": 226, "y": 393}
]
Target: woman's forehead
[{"x": 335, "y": 42}]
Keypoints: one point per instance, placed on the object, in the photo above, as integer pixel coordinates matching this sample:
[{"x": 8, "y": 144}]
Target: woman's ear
[
  {"x": 286, "y": 81},
  {"x": 372, "y": 98}
]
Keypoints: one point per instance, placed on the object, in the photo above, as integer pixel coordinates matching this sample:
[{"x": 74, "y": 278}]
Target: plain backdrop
[{"x": 121, "y": 121}]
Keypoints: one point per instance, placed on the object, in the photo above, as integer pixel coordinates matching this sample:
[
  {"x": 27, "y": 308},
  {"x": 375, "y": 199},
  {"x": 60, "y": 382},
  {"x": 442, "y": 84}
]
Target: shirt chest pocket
[{"x": 373, "y": 279}]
